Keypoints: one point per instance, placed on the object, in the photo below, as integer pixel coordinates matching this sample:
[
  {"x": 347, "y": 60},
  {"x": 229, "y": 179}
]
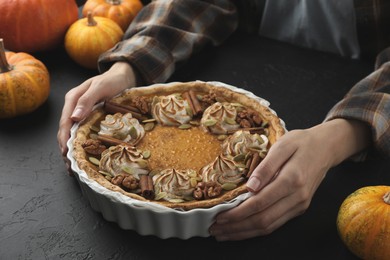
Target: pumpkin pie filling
[{"x": 180, "y": 149}]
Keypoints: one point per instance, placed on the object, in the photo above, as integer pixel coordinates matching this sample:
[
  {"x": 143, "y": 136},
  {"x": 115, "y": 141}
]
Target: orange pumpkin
[
  {"x": 120, "y": 11},
  {"x": 24, "y": 83},
  {"x": 30, "y": 25},
  {"x": 363, "y": 222},
  {"x": 89, "y": 37}
]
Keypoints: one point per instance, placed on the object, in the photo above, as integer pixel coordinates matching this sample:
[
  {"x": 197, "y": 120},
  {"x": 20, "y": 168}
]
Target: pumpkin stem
[
  {"x": 386, "y": 197},
  {"x": 90, "y": 20},
  {"x": 4, "y": 66},
  {"x": 114, "y": 2}
]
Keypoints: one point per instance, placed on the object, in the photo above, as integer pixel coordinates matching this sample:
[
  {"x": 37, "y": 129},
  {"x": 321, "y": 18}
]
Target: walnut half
[
  {"x": 207, "y": 190},
  {"x": 93, "y": 146}
]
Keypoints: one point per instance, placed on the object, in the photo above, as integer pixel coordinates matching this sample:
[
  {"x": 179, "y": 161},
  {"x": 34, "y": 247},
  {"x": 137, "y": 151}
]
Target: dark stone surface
[{"x": 45, "y": 216}]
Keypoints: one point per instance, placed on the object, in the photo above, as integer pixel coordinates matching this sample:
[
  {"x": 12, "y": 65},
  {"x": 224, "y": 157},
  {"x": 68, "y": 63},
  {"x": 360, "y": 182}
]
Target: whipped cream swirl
[
  {"x": 123, "y": 159},
  {"x": 171, "y": 110},
  {"x": 242, "y": 142},
  {"x": 175, "y": 185},
  {"x": 222, "y": 170},
  {"x": 219, "y": 118},
  {"x": 122, "y": 127}
]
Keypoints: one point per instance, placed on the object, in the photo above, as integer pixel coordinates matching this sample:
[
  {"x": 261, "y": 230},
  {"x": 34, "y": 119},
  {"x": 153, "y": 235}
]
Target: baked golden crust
[{"x": 275, "y": 128}]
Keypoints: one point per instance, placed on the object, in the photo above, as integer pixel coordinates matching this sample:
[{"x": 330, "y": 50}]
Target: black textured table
[{"x": 45, "y": 216}]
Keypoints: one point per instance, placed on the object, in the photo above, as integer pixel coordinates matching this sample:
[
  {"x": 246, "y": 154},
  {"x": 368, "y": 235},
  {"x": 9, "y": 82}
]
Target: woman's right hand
[{"x": 80, "y": 100}]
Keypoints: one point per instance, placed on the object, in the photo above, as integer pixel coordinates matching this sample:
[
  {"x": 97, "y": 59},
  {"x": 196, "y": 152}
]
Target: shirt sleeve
[
  {"x": 369, "y": 102},
  {"x": 167, "y": 32}
]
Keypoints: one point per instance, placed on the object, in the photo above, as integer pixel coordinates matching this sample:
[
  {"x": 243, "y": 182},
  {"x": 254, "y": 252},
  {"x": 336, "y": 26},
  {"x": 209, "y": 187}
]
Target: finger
[
  {"x": 256, "y": 225},
  {"x": 101, "y": 88},
  {"x": 257, "y": 203},
  {"x": 261, "y": 223},
  {"x": 66, "y": 121},
  {"x": 267, "y": 170}
]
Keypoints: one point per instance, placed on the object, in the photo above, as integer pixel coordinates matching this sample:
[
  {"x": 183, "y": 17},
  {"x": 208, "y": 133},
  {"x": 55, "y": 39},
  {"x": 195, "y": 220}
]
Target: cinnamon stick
[
  {"x": 187, "y": 97},
  {"x": 112, "y": 107},
  {"x": 247, "y": 165},
  {"x": 197, "y": 106},
  {"x": 193, "y": 101},
  {"x": 109, "y": 140},
  {"x": 252, "y": 130},
  {"x": 146, "y": 185},
  {"x": 255, "y": 161}
]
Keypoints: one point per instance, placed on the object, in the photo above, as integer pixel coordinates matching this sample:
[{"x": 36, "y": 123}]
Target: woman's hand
[
  {"x": 286, "y": 180},
  {"x": 80, "y": 100}
]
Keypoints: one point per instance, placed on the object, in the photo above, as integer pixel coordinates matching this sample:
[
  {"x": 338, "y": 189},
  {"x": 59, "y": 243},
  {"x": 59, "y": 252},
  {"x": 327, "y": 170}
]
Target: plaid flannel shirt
[
  {"x": 369, "y": 102},
  {"x": 168, "y": 32}
]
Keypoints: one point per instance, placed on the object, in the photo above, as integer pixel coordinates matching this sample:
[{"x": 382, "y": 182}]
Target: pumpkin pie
[{"x": 183, "y": 145}]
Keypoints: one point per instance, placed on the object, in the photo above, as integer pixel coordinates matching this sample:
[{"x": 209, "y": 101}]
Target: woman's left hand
[{"x": 286, "y": 180}]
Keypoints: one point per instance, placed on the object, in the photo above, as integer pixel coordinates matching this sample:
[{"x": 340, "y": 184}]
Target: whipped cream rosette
[
  {"x": 220, "y": 118},
  {"x": 171, "y": 110},
  {"x": 175, "y": 185},
  {"x": 223, "y": 170},
  {"x": 123, "y": 159},
  {"x": 123, "y": 127},
  {"x": 242, "y": 142}
]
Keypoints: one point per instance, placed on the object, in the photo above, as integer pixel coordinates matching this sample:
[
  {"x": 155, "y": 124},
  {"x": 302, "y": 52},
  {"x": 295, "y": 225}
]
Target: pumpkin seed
[
  {"x": 149, "y": 120},
  {"x": 230, "y": 121},
  {"x": 240, "y": 165},
  {"x": 93, "y": 136},
  {"x": 176, "y": 200},
  {"x": 247, "y": 157},
  {"x": 221, "y": 137},
  {"x": 193, "y": 182},
  {"x": 239, "y": 109},
  {"x": 178, "y": 96},
  {"x": 209, "y": 122},
  {"x": 260, "y": 139},
  {"x": 184, "y": 126},
  {"x": 149, "y": 126},
  {"x": 188, "y": 198},
  {"x": 109, "y": 178},
  {"x": 160, "y": 195},
  {"x": 189, "y": 111},
  {"x": 146, "y": 154},
  {"x": 262, "y": 154},
  {"x": 154, "y": 172},
  {"x": 128, "y": 170},
  {"x": 106, "y": 173},
  {"x": 192, "y": 173},
  {"x": 193, "y": 122},
  {"x": 94, "y": 128},
  {"x": 229, "y": 186},
  {"x": 94, "y": 160},
  {"x": 220, "y": 99},
  {"x": 142, "y": 163},
  {"x": 133, "y": 132},
  {"x": 239, "y": 157},
  {"x": 119, "y": 135},
  {"x": 155, "y": 100}
]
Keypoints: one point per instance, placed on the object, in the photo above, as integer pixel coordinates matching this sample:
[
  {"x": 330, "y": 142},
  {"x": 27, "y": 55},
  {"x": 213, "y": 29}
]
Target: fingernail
[
  {"x": 77, "y": 113},
  {"x": 253, "y": 184}
]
